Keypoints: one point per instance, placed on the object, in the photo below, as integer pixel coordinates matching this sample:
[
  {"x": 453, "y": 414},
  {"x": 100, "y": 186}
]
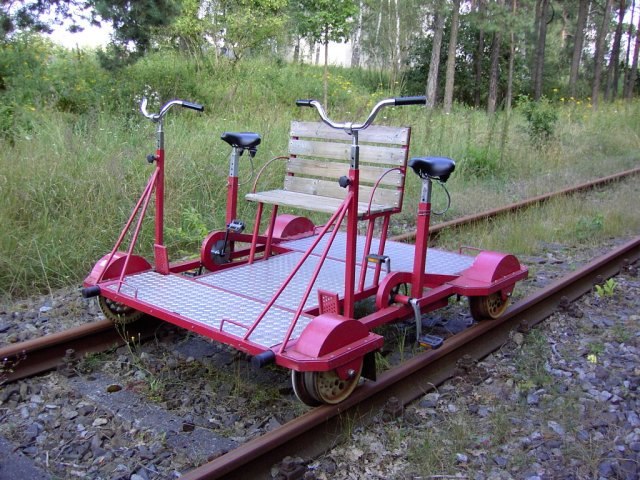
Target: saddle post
[
  {"x": 232, "y": 183},
  {"x": 422, "y": 237}
]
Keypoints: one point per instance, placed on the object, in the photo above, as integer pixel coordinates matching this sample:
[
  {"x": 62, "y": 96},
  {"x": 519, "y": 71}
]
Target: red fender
[
  {"x": 491, "y": 266},
  {"x": 327, "y": 333},
  {"x": 113, "y": 270},
  {"x": 490, "y": 272},
  {"x": 292, "y": 227}
]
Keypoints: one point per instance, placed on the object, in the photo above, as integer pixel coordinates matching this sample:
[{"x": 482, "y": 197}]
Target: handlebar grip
[
  {"x": 193, "y": 106},
  {"x": 304, "y": 103},
  {"x": 419, "y": 100}
]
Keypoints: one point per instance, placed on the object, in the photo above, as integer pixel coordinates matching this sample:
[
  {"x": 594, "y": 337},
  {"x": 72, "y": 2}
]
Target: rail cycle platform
[{"x": 288, "y": 295}]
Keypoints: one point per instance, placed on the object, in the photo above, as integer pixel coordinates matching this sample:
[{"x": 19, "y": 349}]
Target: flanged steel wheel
[
  {"x": 316, "y": 388},
  {"x": 488, "y": 307},
  {"x": 118, "y": 312},
  {"x": 300, "y": 389}
]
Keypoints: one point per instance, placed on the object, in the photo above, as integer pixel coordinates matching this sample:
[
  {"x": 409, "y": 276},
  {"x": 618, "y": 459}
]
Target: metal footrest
[{"x": 430, "y": 341}]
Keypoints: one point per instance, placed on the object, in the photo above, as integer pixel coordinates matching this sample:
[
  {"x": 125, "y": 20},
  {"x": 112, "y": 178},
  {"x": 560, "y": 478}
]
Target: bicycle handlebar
[
  {"x": 156, "y": 117},
  {"x": 193, "y": 106},
  {"x": 419, "y": 100},
  {"x": 351, "y": 127}
]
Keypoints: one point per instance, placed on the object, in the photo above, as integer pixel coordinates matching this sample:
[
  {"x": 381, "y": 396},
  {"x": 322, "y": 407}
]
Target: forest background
[{"x": 522, "y": 86}]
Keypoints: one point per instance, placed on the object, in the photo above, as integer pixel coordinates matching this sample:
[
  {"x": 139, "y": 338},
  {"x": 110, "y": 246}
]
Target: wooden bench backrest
[{"x": 319, "y": 156}]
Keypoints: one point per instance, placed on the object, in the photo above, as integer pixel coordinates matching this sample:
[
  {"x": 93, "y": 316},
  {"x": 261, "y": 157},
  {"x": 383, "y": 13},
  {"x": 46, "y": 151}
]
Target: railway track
[
  {"x": 324, "y": 426},
  {"x": 317, "y": 431},
  {"x": 39, "y": 355}
]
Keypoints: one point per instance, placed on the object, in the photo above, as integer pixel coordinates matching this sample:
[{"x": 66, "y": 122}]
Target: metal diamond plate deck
[
  {"x": 262, "y": 279},
  {"x": 209, "y": 306},
  {"x": 401, "y": 254},
  {"x": 240, "y": 294}
]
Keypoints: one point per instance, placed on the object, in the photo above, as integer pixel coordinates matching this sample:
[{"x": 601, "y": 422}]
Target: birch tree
[
  {"x": 628, "y": 70},
  {"x": 634, "y": 65},
  {"x": 434, "y": 65},
  {"x": 322, "y": 21},
  {"x": 356, "y": 46},
  {"x": 451, "y": 57}
]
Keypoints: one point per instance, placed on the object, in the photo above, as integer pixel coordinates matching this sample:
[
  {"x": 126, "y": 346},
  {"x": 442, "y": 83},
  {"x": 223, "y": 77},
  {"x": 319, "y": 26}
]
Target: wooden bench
[{"x": 319, "y": 156}]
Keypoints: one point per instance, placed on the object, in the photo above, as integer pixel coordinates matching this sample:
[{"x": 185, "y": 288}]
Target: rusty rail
[
  {"x": 435, "y": 229},
  {"x": 42, "y": 354},
  {"x": 317, "y": 431}
]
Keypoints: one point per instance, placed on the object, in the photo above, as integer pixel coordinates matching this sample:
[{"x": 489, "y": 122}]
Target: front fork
[{"x": 161, "y": 257}]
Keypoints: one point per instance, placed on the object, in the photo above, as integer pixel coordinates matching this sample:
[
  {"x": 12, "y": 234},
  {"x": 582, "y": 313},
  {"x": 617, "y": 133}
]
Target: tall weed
[{"x": 73, "y": 147}]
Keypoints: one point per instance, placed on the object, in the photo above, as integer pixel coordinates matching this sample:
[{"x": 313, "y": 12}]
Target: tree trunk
[
  {"x": 533, "y": 42},
  {"x": 599, "y": 54},
  {"x": 613, "y": 73},
  {"x": 627, "y": 70},
  {"x": 296, "y": 51},
  {"x": 495, "y": 67},
  {"x": 479, "y": 55},
  {"x": 578, "y": 43},
  {"x": 451, "y": 57},
  {"x": 432, "y": 79},
  {"x": 634, "y": 65},
  {"x": 512, "y": 56},
  {"x": 357, "y": 38},
  {"x": 393, "y": 34},
  {"x": 326, "y": 67},
  {"x": 627, "y": 73},
  {"x": 541, "y": 43}
]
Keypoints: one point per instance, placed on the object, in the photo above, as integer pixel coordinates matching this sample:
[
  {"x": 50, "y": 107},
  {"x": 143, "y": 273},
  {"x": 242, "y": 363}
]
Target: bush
[
  {"x": 541, "y": 117},
  {"x": 481, "y": 162}
]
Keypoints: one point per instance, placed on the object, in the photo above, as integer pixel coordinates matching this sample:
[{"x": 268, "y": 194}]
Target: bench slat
[
  {"x": 368, "y": 174},
  {"x": 310, "y": 202},
  {"x": 374, "y": 134},
  {"x": 341, "y": 151},
  {"x": 325, "y": 188}
]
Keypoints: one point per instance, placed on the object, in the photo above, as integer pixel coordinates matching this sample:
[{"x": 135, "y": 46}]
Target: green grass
[{"x": 68, "y": 179}]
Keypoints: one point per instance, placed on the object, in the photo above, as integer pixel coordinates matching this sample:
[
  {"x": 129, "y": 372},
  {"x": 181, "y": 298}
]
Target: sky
[{"x": 90, "y": 37}]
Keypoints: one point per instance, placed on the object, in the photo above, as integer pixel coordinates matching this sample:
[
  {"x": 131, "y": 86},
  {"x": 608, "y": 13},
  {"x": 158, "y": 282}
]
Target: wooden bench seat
[{"x": 319, "y": 156}]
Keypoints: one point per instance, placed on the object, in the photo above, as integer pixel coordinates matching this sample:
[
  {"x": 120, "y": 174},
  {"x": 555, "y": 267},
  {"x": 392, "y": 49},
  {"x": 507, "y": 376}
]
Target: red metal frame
[{"x": 331, "y": 340}]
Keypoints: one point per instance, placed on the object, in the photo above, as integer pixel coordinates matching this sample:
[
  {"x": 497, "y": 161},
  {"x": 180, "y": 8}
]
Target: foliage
[
  {"x": 480, "y": 162},
  {"x": 324, "y": 20},
  {"x": 190, "y": 30},
  {"x": 133, "y": 23},
  {"x": 541, "y": 117},
  {"x": 587, "y": 226},
  {"x": 17, "y": 17},
  {"x": 250, "y": 23},
  {"x": 607, "y": 289},
  {"x": 531, "y": 361},
  {"x": 72, "y": 161}
]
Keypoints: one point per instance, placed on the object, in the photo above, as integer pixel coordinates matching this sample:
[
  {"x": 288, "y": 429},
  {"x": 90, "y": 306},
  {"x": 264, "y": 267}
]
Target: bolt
[
  {"x": 524, "y": 326},
  {"x": 392, "y": 409},
  {"x": 291, "y": 469}
]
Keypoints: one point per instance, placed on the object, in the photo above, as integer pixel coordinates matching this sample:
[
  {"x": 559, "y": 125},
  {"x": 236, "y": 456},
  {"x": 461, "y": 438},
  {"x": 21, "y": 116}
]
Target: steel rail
[
  {"x": 320, "y": 429},
  {"x": 435, "y": 229},
  {"x": 42, "y": 354}
]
